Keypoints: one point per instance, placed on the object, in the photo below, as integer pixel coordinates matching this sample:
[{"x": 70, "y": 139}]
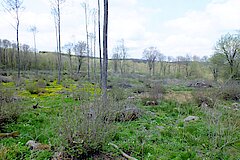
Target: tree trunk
[
  {"x": 59, "y": 45},
  {"x": 18, "y": 50},
  {"x": 88, "y": 60},
  {"x": 35, "y": 52},
  {"x": 94, "y": 46},
  {"x": 105, "y": 51},
  {"x": 99, "y": 41}
]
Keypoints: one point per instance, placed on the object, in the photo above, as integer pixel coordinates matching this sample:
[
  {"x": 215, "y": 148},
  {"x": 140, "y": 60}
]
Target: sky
[{"x": 175, "y": 27}]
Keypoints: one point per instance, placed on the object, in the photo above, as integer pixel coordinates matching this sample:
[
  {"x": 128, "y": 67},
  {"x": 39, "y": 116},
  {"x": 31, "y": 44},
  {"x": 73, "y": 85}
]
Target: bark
[
  {"x": 105, "y": 51},
  {"x": 59, "y": 44},
  {"x": 99, "y": 41},
  {"x": 86, "y": 25}
]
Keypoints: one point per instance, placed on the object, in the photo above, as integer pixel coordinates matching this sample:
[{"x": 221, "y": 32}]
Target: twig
[
  {"x": 124, "y": 154},
  {"x": 229, "y": 144}
]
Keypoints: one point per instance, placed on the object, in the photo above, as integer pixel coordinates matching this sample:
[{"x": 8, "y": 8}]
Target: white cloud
[{"x": 197, "y": 31}]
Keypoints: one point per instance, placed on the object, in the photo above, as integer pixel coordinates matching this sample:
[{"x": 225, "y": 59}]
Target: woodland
[{"x": 79, "y": 103}]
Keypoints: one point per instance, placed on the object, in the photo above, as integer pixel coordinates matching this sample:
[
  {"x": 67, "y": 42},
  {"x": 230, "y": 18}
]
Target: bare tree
[
  {"x": 6, "y": 45},
  {"x": 80, "y": 50},
  {"x": 25, "y": 59},
  {"x": 57, "y": 18},
  {"x": 94, "y": 42},
  {"x": 34, "y": 31},
  {"x": 99, "y": 41},
  {"x": 120, "y": 55},
  {"x": 86, "y": 11},
  {"x": 161, "y": 57},
  {"x": 68, "y": 47},
  {"x": 14, "y": 7},
  {"x": 229, "y": 46},
  {"x": 150, "y": 54},
  {"x": 105, "y": 51}
]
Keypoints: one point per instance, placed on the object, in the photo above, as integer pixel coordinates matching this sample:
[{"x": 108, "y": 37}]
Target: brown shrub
[{"x": 9, "y": 111}]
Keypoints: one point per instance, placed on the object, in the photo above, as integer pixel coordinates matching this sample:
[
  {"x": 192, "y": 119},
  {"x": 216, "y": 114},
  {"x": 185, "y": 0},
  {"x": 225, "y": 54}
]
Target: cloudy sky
[{"x": 175, "y": 27}]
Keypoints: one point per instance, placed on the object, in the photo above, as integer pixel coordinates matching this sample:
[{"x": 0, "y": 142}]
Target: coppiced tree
[
  {"x": 14, "y": 7},
  {"x": 229, "y": 46}
]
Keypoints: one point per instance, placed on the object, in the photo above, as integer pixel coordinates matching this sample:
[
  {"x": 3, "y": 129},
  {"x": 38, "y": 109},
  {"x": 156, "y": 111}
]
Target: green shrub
[{"x": 32, "y": 88}]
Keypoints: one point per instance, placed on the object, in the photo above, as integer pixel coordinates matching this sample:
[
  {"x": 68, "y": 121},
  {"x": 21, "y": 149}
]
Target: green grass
[{"x": 160, "y": 133}]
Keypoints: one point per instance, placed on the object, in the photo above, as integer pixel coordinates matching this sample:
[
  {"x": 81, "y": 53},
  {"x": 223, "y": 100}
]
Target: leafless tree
[
  {"x": 14, "y": 7},
  {"x": 105, "y": 51},
  {"x": 85, "y": 5},
  {"x": 6, "y": 45},
  {"x": 34, "y": 31},
  {"x": 120, "y": 55},
  {"x": 80, "y": 49},
  {"x": 150, "y": 54},
  {"x": 99, "y": 40},
  {"x": 161, "y": 58},
  {"x": 68, "y": 47},
  {"x": 56, "y": 5},
  {"x": 94, "y": 41},
  {"x": 25, "y": 57}
]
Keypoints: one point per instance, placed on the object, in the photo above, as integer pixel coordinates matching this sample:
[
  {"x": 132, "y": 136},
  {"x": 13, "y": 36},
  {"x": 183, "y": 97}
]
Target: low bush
[
  {"x": 118, "y": 94},
  {"x": 86, "y": 129},
  {"x": 230, "y": 91},
  {"x": 9, "y": 111},
  {"x": 206, "y": 97},
  {"x": 32, "y": 88},
  {"x": 155, "y": 94}
]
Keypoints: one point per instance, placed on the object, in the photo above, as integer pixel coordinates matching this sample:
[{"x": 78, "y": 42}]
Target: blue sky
[{"x": 175, "y": 27}]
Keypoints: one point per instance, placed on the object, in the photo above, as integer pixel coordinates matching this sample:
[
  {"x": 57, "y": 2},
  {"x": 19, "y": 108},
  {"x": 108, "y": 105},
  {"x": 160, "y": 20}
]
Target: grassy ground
[{"x": 160, "y": 133}]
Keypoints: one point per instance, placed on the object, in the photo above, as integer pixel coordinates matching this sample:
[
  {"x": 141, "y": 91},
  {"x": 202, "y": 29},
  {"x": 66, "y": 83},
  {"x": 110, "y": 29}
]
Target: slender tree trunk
[
  {"x": 18, "y": 49},
  {"x": 99, "y": 40},
  {"x": 59, "y": 45},
  {"x": 94, "y": 46},
  {"x": 105, "y": 51},
  {"x": 88, "y": 60},
  {"x": 35, "y": 52}
]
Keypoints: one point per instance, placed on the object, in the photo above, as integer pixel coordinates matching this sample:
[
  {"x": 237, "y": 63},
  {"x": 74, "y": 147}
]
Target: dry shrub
[
  {"x": 9, "y": 111},
  {"x": 86, "y": 129},
  {"x": 207, "y": 97},
  {"x": 118, "y": 94},
  {"x": 156, "y": 93},
  {"x": 230, "y": 91}
]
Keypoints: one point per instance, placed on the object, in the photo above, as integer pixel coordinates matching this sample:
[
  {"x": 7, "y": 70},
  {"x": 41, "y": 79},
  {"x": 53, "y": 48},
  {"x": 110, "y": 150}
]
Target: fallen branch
[
  {"x": 6, "y": 135},
  {"x": 124, "y": 154}
]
